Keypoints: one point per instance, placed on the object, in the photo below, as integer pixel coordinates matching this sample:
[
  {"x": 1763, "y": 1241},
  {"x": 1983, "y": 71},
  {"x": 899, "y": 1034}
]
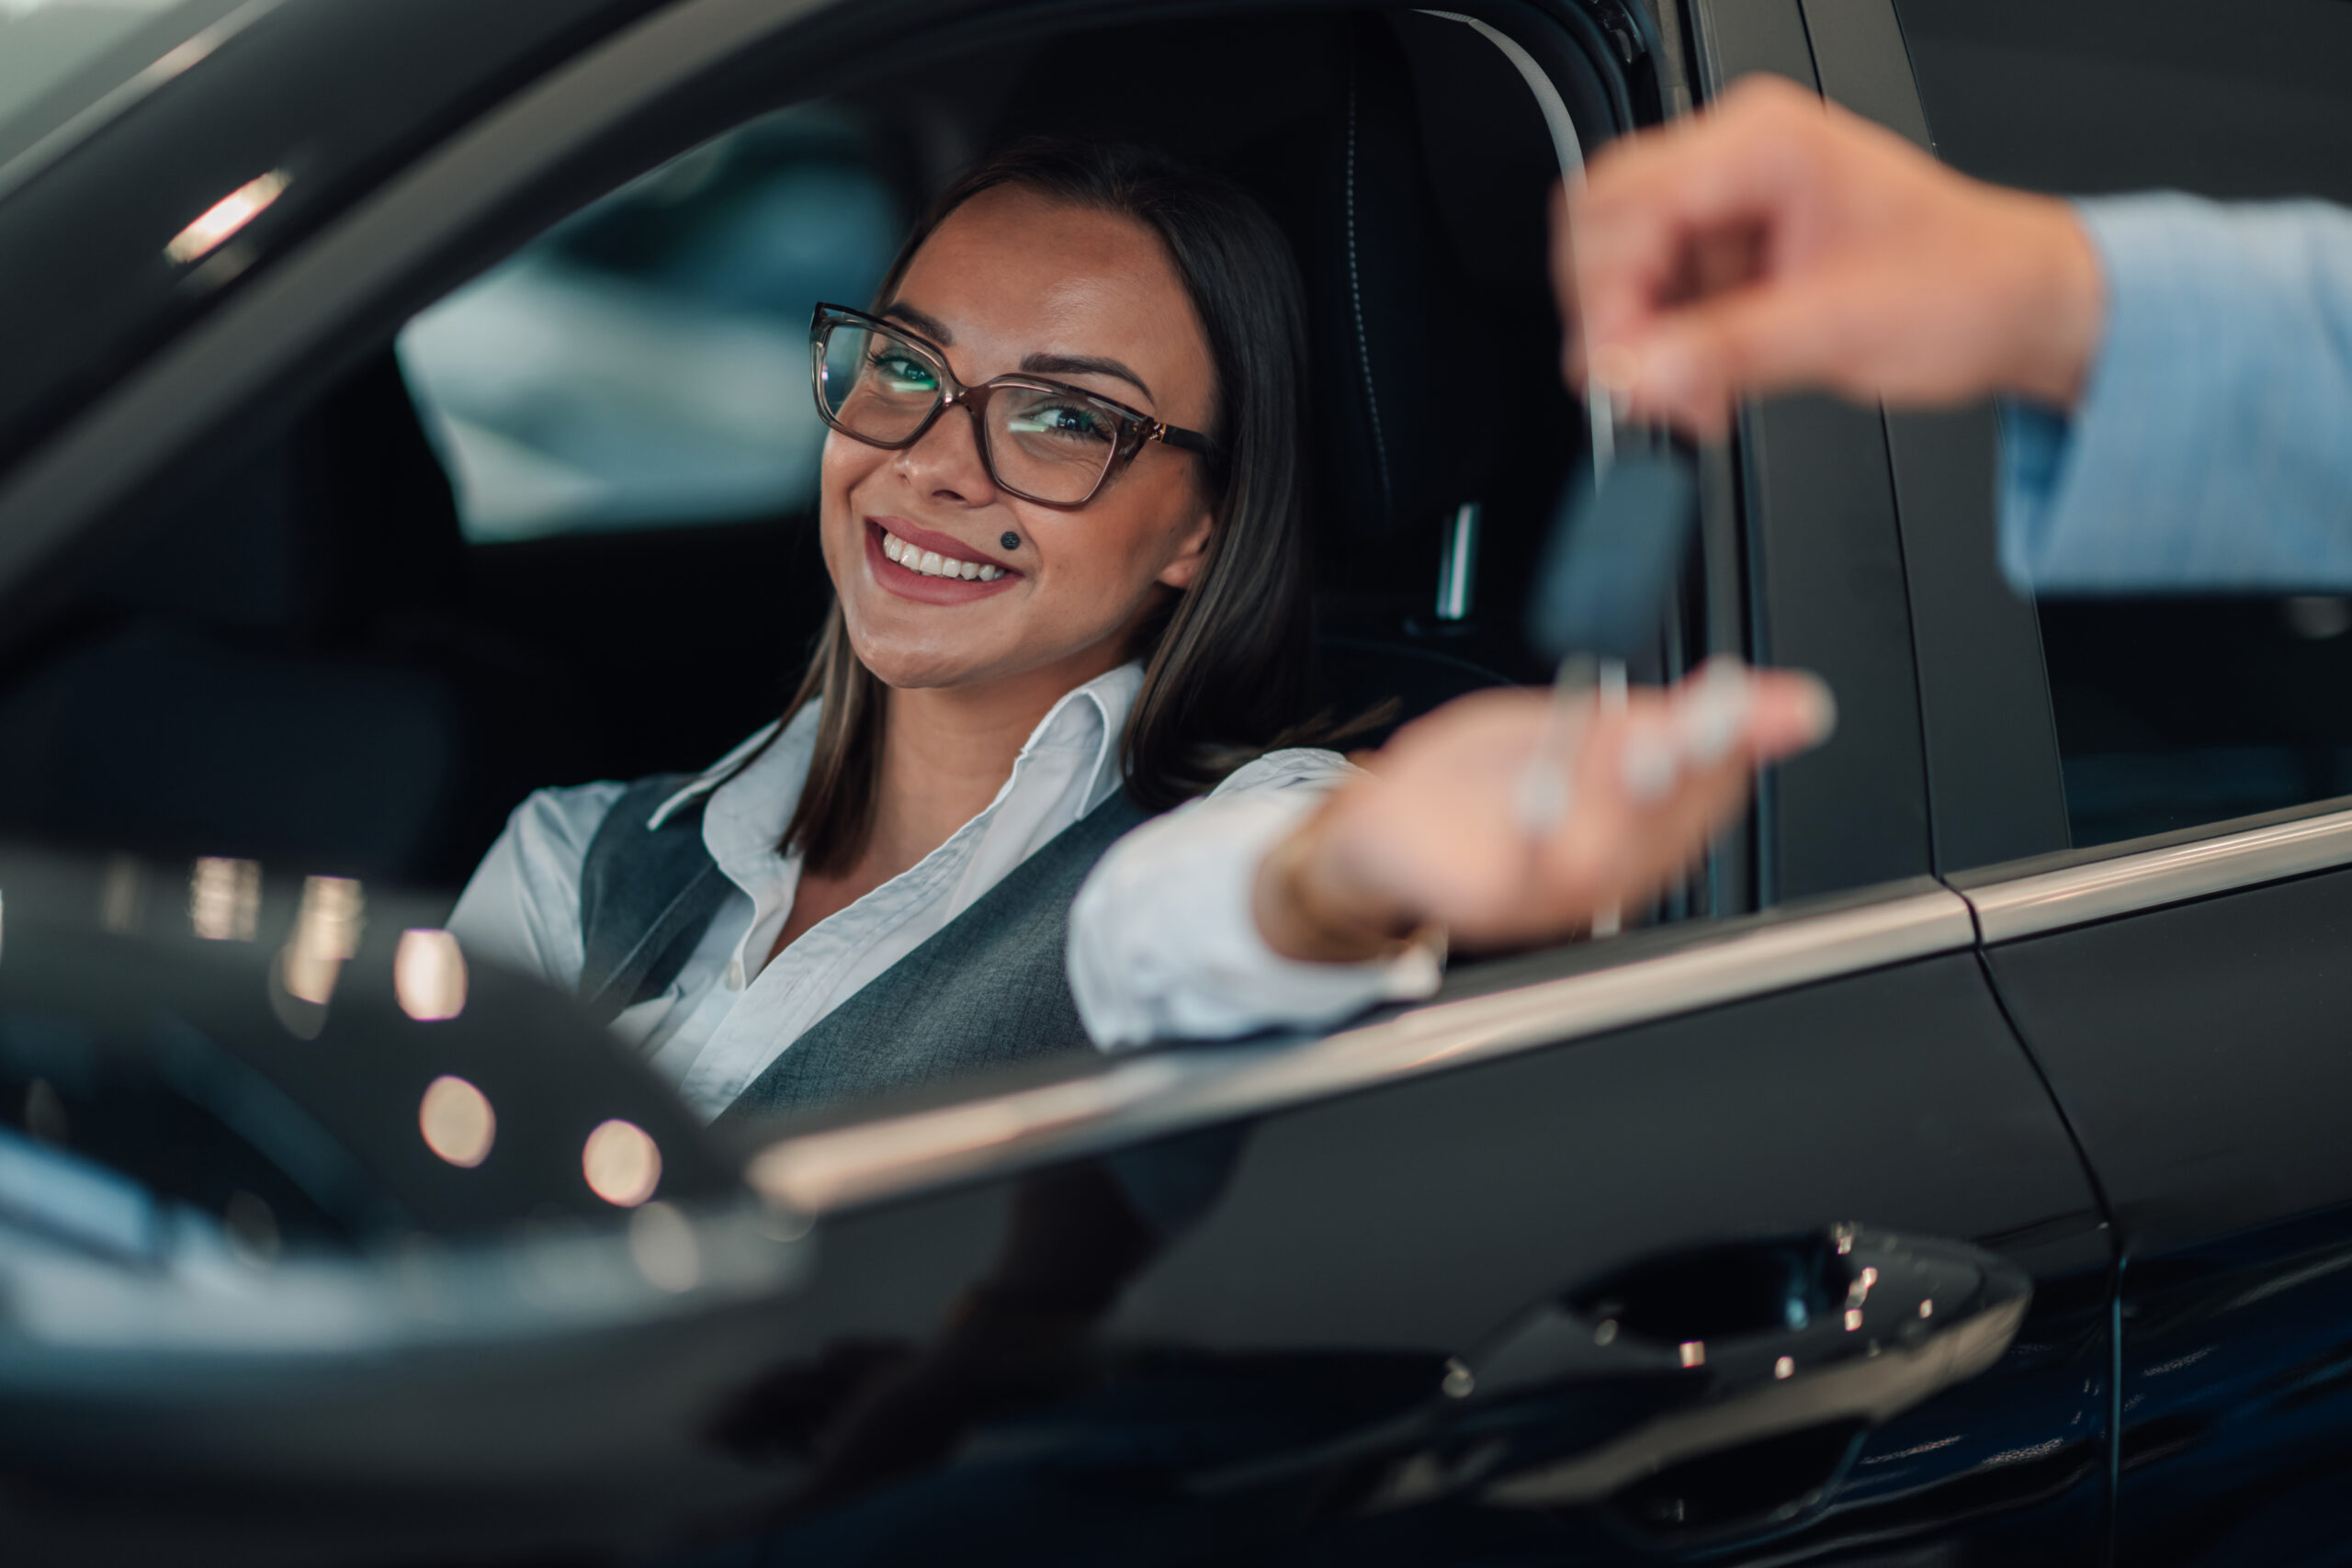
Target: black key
[{"x": 1614, "y": 560}]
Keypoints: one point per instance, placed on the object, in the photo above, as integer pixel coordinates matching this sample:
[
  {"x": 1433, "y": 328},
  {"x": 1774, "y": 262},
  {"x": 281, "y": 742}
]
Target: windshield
[{"x": 62, "y": 58}]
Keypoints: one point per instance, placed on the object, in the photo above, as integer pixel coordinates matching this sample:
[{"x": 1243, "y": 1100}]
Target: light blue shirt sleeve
[{"x": 2211, "y": 451}]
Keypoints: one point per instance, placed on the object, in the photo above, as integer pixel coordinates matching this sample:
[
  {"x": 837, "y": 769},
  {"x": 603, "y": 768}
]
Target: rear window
[{"x": 2171, "y": 712}]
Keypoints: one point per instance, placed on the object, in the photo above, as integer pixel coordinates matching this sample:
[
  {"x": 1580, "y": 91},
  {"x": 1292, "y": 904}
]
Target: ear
[{"x": 1191, "y": 551}]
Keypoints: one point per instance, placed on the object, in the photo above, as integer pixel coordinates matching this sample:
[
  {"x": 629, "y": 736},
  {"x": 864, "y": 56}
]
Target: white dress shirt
[{"x": 1162, "y": 940}]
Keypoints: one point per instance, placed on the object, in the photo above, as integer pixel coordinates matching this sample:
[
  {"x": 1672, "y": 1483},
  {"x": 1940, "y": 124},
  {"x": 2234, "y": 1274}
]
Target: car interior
[{"x": 559, "y": 530}]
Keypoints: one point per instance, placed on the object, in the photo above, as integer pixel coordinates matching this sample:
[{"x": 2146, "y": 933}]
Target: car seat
[{"x": 1408, "y": 162}]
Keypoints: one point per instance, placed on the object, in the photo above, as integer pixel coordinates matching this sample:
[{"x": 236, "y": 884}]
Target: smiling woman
[
  {"x": 1088, "y": 267},
  {"x": 1061, "y": 506}
]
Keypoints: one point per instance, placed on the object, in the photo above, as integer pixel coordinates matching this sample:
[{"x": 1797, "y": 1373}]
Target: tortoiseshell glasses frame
[{"x": 1066, "y": 445}]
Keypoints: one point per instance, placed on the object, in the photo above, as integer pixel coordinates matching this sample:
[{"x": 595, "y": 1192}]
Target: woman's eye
[
  {"x": 903, "y": 373},
  {"x": 1073, "y": 422}
]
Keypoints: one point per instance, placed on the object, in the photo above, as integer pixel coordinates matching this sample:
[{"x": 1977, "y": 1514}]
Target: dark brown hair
[{"x": 1226, "y": 662}]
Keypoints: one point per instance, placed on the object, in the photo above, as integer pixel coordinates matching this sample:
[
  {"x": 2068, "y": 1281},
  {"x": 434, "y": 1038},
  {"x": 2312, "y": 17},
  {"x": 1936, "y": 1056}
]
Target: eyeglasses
[{"x": 1044, "y": 441}]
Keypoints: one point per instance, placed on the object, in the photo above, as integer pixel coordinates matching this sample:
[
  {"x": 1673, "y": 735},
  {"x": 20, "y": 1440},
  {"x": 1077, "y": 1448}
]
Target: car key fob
[{"x": 1614, "y": 558}]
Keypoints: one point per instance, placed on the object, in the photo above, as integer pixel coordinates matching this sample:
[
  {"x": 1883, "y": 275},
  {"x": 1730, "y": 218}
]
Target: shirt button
[{"x": 735, "y": 975}]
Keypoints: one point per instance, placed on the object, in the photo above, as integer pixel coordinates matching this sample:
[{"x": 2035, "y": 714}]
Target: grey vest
[{"x": 989, "y": 987}]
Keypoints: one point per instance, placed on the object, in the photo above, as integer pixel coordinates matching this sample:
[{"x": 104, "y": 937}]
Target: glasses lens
[
  {"x": 876, "y": 384},
  {"x": 1050, "y": 442}
]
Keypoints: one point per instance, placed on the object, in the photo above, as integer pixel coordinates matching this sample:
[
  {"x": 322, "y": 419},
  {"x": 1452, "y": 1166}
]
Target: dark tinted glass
[
  {"x": 2249, "y": 100},
  {"x": 2170, "y": 711}
]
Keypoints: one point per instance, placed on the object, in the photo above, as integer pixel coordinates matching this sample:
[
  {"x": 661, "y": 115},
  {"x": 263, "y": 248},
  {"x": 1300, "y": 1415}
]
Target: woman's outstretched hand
[
  {"x": 1437, "y": 831},
  {"x": 1775, "y": 242}
]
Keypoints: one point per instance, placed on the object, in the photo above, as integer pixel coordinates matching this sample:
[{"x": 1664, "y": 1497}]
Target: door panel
[
  {"x": 2200, "y": 1052},
  {"x": 1232, "y": 1319}
]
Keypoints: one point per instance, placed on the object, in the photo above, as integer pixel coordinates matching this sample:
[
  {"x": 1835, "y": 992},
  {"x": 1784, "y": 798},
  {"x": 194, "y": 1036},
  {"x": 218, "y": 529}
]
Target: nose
[{"x": 945, "y": 464}]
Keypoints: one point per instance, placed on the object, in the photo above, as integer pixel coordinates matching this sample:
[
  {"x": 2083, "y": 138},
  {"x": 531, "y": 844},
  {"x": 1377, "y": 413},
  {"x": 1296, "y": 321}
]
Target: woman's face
[{"x": 1016, "y": 283}]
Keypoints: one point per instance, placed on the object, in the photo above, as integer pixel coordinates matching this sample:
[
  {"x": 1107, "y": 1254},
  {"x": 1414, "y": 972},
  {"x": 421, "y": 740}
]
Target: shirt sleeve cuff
[{"x": 1164, "y": 941}]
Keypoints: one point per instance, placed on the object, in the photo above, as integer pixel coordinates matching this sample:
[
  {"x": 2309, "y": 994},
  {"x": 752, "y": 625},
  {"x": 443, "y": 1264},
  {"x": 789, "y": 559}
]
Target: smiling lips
[{"x": 932, "y": 569}]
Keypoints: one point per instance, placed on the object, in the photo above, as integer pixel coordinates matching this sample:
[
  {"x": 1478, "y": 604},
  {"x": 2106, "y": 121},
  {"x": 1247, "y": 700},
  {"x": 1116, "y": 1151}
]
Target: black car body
[{"x": 1952, "y": 1172}]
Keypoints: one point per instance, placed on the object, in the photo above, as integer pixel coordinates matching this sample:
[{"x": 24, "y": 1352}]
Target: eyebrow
[
  {"x": 1083, "y": 364},
  {"x": 1036, "y": 363},
  {"x": 930, "y": 326}
]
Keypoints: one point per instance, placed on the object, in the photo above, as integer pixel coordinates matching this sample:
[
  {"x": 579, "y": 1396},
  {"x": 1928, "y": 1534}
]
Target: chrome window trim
[
  {"x": 817, "y": 1173},
  {"x": 2078, "y": 895}
]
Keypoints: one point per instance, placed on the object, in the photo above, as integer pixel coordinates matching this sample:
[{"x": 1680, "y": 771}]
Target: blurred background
[{"x": 647, "y": 362}]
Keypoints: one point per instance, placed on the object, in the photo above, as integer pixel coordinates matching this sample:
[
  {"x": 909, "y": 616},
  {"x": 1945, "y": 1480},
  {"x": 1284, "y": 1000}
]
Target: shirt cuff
[{"x": 1164, "y": 941}]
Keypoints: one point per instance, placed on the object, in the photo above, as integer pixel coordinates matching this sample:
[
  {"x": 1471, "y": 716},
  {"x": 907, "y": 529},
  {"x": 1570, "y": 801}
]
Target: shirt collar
[
  {"x": 710, "y": 778},
  {"x": 1095, "y": 712},
  {"x": 1092, "y": 717}
]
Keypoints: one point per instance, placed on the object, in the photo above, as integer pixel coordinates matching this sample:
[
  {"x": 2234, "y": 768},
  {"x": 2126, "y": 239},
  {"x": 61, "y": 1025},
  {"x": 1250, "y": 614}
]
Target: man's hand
[
  {"x": 1777, "y": 243},
  {"x": 1434, "y": 833}
]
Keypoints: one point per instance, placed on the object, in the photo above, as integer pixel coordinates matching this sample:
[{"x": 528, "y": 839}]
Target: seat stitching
[{"x": 1355, "y": 292}]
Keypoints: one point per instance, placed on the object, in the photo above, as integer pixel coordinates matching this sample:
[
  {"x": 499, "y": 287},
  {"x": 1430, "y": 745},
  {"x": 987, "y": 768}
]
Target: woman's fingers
[
  {"x": 1437, "y": 832},
  {"x": 1657, "y": 781}
]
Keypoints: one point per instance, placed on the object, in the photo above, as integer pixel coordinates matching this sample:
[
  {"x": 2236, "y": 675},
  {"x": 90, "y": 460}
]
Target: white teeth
[{"x": 931, "y": 563}]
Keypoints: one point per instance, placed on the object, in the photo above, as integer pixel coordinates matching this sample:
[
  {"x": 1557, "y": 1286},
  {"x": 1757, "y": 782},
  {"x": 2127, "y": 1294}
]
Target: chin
[{"x": 914, "y": 662}]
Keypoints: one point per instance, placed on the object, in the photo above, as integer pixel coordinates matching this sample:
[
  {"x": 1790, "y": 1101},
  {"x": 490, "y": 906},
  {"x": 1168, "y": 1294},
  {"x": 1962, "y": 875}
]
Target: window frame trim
[
  {"x": 1167, "y": 1092},
  {"x": 2027, "y": 899}
]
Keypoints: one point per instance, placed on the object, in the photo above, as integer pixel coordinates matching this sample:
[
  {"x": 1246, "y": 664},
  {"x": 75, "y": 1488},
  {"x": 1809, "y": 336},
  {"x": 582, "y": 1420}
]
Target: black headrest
[{"x": 1316, "y": 117}]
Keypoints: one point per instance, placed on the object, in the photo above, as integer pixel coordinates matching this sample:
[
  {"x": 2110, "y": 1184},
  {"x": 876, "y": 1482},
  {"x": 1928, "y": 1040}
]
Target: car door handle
[
  {"x": 1700, "y": 1397},
  {"x": 1784, "y": 1351}
]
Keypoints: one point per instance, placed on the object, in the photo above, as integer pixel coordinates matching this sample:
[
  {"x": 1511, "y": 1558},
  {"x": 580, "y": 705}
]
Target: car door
[
  {"x": 1480, "y": 1280},
  {"x": 1268, "y": 1286},
  {"x": 2178, "y": 973}
]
